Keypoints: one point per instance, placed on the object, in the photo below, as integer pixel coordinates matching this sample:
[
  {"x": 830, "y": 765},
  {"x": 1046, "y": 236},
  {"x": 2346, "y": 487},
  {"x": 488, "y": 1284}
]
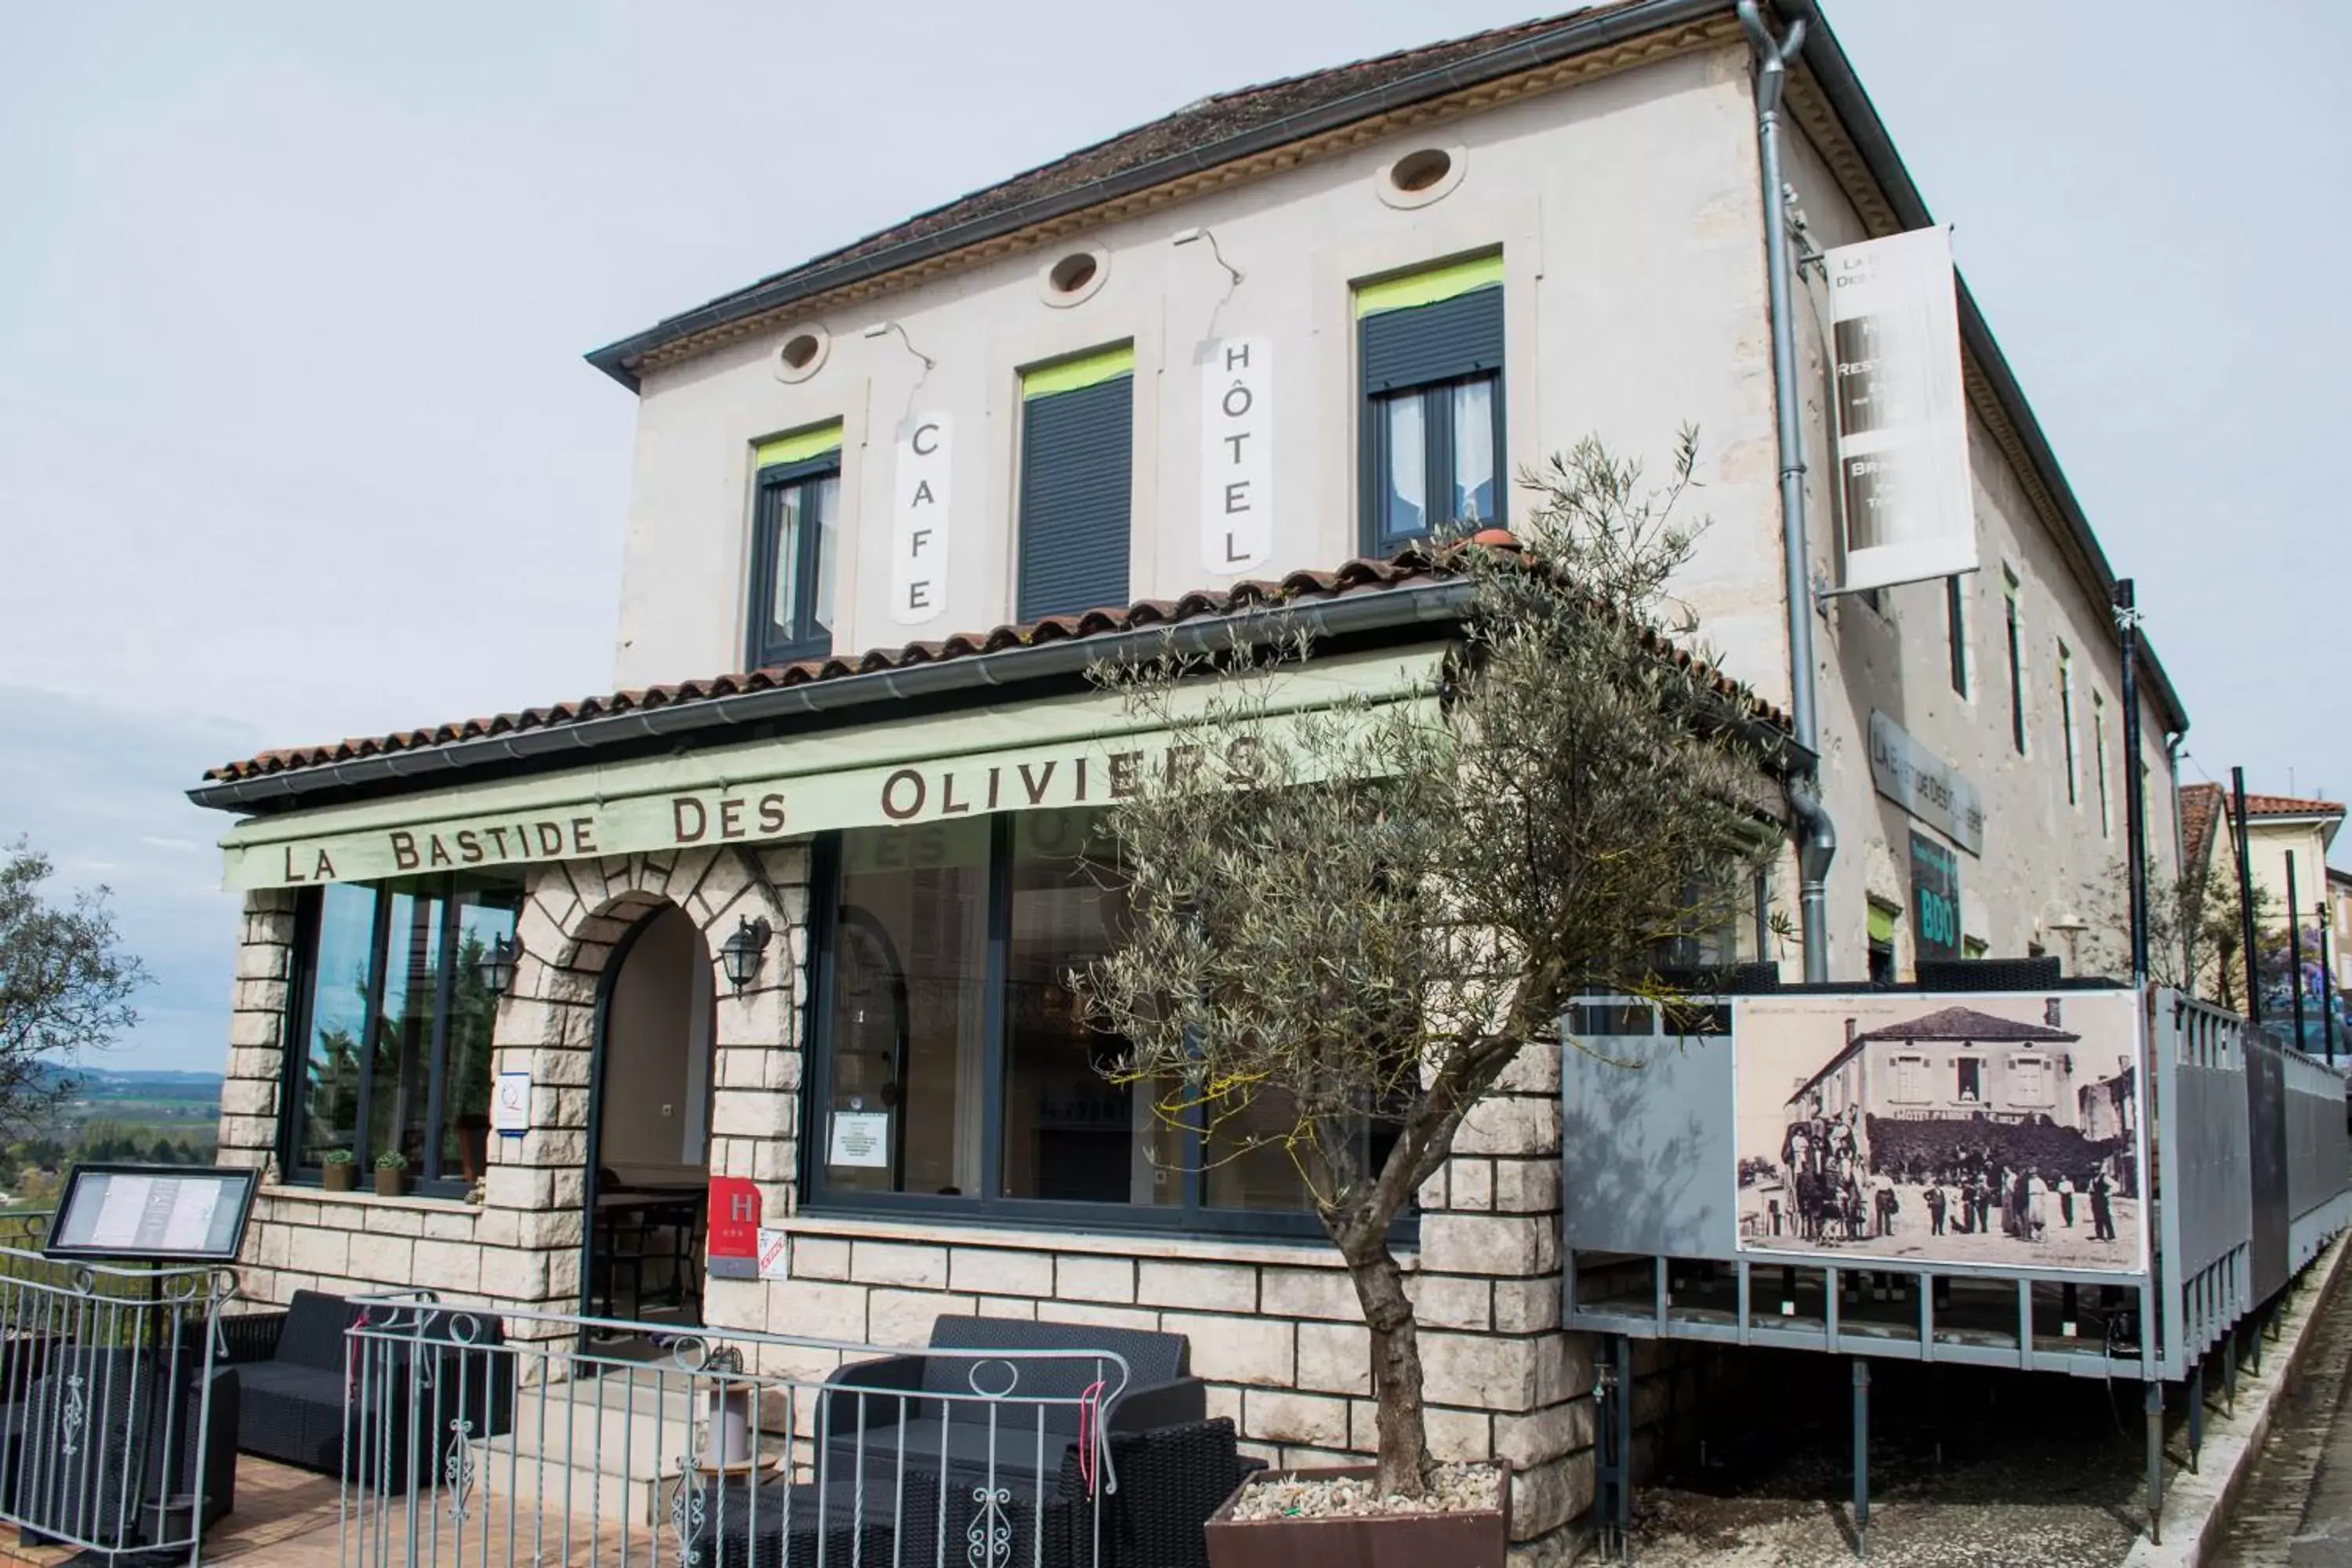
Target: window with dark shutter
[
  {"x": 1431, "y": 346},
  {"x": 1077, "y": 451},
  {"x": 796, "y": 514}
]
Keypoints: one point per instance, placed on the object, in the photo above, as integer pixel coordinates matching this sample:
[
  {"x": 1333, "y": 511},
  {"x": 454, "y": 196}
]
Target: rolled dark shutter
[
  {"x": 1456, "y": 337},
  {"x": 1076, "y": 490}
]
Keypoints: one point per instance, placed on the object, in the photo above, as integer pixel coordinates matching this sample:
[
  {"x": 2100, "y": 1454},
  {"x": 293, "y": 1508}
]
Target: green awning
[
  {"x": 1069, "y": 375},
  {"x": 1429, "y": 287},
  {"x": 1055, "y": 754},
  {"x": 799, "y": 446},
  {"x": 1882, "y": 922}
]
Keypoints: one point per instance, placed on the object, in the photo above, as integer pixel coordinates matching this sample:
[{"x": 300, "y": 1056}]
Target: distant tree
[{"x": 65, "y": 984}]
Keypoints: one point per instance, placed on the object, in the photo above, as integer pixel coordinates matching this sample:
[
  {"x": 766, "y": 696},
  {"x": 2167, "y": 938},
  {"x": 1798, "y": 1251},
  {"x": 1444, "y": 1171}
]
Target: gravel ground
[{"x": 2046, "y": 1477}]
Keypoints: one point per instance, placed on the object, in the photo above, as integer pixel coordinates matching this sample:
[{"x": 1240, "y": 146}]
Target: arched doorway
[{"x": 649, "y": 1126}]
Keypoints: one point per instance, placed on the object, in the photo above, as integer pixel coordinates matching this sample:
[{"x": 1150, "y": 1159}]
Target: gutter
[
  {"x": 1835, "y": 76},
  {"x": 699, "y": 722},
  {"x": 1565, "y": 42}
]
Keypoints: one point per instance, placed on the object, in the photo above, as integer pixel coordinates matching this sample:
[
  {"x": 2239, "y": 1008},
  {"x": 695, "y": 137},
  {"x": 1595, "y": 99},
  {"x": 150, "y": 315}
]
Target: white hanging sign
[
  {"x": 918, "y": 528},
  {"x": 1236, "y": 454},
  {"x": 510, "y": 1105},
  {"x": 1902, "y": 415}
]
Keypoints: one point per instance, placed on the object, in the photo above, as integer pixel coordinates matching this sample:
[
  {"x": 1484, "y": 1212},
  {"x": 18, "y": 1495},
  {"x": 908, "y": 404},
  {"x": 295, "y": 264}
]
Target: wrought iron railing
[
  {"x": 111, "y": 1437},
  {"x": 479, "y": 1435}
]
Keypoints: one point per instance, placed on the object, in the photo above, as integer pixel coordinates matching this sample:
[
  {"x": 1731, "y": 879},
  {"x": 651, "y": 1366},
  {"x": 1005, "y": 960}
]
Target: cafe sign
[
  {"x": 1924, "y": 785},
  {"x": 931, "y": 770}
]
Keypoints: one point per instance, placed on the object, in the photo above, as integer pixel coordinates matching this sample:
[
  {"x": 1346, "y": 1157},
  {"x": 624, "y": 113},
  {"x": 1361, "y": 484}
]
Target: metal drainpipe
[{"x": 1816, "y": 834}]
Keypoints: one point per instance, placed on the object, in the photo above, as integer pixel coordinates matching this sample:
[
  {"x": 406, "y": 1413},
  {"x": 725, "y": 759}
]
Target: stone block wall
[{"x": 1276, "y": 1329}]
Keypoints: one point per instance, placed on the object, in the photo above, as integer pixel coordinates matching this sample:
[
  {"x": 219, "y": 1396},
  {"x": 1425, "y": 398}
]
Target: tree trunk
[{"x": 1405, "y": 1464}]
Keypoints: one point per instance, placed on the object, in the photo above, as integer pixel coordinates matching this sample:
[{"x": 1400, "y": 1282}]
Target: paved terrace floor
[{"x": 287, "y": 1518}]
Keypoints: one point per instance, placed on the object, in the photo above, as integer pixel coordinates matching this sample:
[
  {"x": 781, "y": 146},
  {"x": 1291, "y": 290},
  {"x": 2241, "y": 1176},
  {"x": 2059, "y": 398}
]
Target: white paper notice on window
[
  {"x": 1236, "y": 454},
  {"x": 511, "y": 1106},
  {"x": 861, "y": 1139},
  {"x": 118, "y": 1213}
]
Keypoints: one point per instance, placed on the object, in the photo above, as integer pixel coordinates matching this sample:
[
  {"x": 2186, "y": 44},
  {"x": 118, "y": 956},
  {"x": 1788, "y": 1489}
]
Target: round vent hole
[
  {"x": 1072, "y": 273},
  {"x": 801, "y": 351},
  {"x": 1419, "y": 171}
]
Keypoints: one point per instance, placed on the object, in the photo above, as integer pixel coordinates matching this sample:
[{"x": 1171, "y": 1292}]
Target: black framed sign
[{"x": 159, "y": 1214}]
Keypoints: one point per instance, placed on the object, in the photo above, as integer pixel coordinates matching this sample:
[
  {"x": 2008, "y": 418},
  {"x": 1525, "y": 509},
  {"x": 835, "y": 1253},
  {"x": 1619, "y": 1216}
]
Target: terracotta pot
[
  {"x": 337, "y": 1178},
  {"x": 390, "y": 1183},
  {"x": 1388, "y": 1540}
]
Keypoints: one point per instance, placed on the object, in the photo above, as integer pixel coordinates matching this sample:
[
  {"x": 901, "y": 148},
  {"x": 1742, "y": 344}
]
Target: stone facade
[{"x": 1276, "y": 1327}]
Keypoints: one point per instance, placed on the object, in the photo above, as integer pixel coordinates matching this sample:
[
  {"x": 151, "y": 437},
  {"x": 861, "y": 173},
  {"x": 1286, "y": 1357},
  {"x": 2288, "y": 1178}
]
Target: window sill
[
  {"x": 1303, "y": 1253},
  {"x": 309, "y": 1192}
]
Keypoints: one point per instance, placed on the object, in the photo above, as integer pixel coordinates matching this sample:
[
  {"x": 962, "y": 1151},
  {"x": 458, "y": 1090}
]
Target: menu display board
[{"x": 165, "y": 1214}]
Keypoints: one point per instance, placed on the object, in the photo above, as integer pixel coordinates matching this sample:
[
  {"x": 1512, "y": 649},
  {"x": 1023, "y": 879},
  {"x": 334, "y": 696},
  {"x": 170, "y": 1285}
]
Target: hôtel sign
[{"x": 583, "y": 815}]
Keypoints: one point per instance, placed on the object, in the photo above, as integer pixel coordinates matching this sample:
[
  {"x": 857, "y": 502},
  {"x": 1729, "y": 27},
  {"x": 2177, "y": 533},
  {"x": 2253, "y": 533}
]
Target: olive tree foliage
[
  {"x": 1348, "y": 916},
  {"x": 65, "y": 985},
  {"x": 2196, "y": 930}
]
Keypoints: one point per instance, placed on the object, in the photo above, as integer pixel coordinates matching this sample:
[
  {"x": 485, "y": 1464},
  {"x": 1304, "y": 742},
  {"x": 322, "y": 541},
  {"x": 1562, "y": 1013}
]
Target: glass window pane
[
  {"x": 1248, "y": 1165},
  {"x": 1474, "y": 452},
  {"x": 783, "y": 622},
  {"x": 330, "y": 1109},
  {"x": 1070, "y": 1132},
  {"x": 909, "y": 968},
  {"x": 825, "y": 499},
  {"x": 403, "y": 1027},
  {"x": 483, "y": 915},
  {"x": 1406, "y": 491}
]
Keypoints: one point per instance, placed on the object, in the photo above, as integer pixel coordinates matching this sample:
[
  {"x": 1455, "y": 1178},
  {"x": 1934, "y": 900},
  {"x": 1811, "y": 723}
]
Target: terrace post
[{"x": 1861, "y": 1457}]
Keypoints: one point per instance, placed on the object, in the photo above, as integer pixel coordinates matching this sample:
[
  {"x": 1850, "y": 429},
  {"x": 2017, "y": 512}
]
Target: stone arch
[{"x": 575, "y": 917}]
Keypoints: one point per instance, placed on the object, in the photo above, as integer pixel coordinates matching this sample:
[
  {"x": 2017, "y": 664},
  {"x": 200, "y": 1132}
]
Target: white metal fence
[
  {"x": 482, "y": 1436},
  {"x": 117, "y": 1427}
]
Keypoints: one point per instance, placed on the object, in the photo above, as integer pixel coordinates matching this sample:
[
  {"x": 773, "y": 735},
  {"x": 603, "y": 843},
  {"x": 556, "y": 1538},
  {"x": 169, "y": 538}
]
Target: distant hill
[{"x": 111, "y": 1083}]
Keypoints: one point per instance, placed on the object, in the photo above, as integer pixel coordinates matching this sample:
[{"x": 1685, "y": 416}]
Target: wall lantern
[
  {"x": 495, "y": 967},
  {"x": 744, "y": 950}
]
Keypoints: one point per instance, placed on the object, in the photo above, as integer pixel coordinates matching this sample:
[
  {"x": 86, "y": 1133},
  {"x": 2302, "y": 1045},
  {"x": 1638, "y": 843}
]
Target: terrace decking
[{"x": 288, "y": 1518}]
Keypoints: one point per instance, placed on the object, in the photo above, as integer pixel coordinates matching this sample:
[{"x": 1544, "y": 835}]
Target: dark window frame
[
  {"x": 1955, "y": 624},
  {"x": 991, "y": 1206},
  {"x": 807, "y": 638},
  {"x": 2067, "y": 725},
  {"x": 2016, "y": 665},
  {"x": 1034, "y": 594},
  {"x": 294, "y": 1053},
  {"x": 1435, "y": 392}
]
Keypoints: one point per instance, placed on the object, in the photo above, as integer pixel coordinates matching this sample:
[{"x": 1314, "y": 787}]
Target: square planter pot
[
  {"x": 391, "y": 1183},
  {"x": 1477, "y": 1539},
  {"x": 337, "y": 1178}
]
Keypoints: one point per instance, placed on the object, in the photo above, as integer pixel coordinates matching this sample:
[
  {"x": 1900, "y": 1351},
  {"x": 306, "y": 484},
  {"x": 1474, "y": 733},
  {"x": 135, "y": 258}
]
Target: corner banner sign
[
  {"x": 1902, "y": 416},
  {"x": 1060, "y": 755}
]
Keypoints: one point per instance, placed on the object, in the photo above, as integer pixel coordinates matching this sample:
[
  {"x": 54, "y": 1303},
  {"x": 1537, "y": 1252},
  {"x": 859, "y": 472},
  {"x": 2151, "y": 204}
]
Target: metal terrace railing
[
  {"x": 516, "y": 1437},
  {"x": 111, "y": 1437}
]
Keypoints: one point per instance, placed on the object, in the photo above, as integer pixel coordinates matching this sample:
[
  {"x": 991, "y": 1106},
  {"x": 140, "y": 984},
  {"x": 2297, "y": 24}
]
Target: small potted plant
[
  {"x": 336, "y": 1171},
  {"x": 390, "y": 1173}
]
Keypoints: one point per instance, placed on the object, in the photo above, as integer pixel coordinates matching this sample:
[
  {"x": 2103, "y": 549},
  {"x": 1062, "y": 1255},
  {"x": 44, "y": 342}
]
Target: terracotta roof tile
[{"x": 1357, "y": 576}]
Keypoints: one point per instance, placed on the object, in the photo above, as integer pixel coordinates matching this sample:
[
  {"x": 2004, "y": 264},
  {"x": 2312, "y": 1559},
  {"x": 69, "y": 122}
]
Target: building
[
  {"x": 2280, "y": 827},
  {"x": 803, "y": 926}
]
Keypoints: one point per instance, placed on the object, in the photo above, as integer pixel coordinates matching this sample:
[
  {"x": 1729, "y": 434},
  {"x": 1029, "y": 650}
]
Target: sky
[{"x": 296, "y": 440}]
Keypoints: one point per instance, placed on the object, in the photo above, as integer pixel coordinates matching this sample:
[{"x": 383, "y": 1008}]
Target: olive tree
[{"x": 1349, "y": 915}]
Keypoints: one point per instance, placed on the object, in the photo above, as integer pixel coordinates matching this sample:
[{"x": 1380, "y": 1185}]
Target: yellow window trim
[
  {"x": 798, "y": 448},
  {"x": 1087, "y": 370},
  {"x": 1429, "y": 285}
]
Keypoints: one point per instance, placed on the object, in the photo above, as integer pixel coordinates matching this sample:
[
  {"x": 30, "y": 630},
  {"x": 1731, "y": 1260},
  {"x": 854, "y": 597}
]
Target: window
[
  {"x": 794, "y": 519},
  {"x": 2029, "y": 1081},
  {"x": 1883, "y": 921},
  {"x": 393, "y": 1025},
  {"x": 2066, "y": 723},
  {"x": 1431, "y": 349},
  {"x": 955, "y": 1071},
  {"x": 1077, "y": 463},
  {"x": 2016, "y": 660},
  {"x": 2099, "y": 761},
  {"x": 1967, "y": 1086},
  {"x": 1910, "y": 1079},
  {"x": 1955, "y": 630}
]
